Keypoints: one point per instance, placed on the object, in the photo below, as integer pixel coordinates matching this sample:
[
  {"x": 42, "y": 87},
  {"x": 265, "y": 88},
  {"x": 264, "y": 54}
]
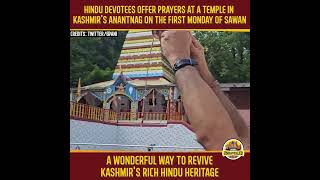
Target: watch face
[{"x": 182, "y": 63}]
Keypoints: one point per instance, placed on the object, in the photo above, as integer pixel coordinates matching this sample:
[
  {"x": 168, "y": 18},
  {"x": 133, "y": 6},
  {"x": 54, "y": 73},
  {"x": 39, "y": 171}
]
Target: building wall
[
  {"x": 240, "y": 97},
  {"x": 158, "y": 107},
  {"x": 123, "y": 104}
]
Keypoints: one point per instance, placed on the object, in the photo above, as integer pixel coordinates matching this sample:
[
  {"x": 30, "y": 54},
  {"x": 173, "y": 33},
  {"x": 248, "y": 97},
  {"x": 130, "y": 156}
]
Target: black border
[{"x": 35, "y": 84}]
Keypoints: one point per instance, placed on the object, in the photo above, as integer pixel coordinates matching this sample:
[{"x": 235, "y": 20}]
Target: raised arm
[
  {"x": 197, "y": 52},
  {"x": 207, "y": 115}
]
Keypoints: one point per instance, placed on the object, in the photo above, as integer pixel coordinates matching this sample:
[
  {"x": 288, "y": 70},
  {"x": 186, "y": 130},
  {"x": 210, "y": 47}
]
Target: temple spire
[{"x": 140, "y": 58}]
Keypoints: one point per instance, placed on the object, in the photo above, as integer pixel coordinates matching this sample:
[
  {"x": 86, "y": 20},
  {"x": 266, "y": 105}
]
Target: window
[{"x": 150, "y": 101}]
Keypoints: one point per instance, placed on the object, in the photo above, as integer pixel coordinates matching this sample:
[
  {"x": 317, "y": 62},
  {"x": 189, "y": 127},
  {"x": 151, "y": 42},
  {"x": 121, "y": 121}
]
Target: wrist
[
  {"x": 186, "y": 71},
  {"x": 204, "y": 69},
  {"x": 175, "y": 58}
]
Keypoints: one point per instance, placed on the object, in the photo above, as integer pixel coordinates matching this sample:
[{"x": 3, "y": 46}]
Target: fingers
[
  {"x": 163, "y": 33},
  {"x": 196, "y": 43},
  {"x": 175, "y": 44},
  {"x": 157, "y": 33},
  {"x": 192, "y": 45},
  {"x": 193, "y": 51}
]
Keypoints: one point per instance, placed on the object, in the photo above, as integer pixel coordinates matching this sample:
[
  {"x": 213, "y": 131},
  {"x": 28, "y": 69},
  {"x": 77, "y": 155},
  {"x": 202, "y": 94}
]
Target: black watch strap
[{"x": 183, "y": 63}]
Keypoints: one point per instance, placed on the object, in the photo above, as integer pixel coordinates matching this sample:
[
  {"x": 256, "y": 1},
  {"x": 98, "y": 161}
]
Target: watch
[{"x": 183, "y": 63}]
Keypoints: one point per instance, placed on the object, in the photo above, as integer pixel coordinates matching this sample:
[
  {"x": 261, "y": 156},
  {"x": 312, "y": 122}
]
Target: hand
[
  {"x": 175, "y": 45},
  {"x": 197, "y": 53}
]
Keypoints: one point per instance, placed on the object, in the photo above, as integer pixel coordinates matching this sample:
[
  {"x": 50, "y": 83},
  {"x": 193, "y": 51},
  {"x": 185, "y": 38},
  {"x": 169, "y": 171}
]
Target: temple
[{"x": 142, "y": 81}]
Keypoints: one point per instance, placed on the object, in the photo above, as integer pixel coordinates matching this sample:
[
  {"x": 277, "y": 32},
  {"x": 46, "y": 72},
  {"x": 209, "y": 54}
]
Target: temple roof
[
  {"x": 100, "y": 85},
  {"x": 151, "y": 82},
  {"x": 136, "y": 82},
  {"x": 154, "y": 82}
]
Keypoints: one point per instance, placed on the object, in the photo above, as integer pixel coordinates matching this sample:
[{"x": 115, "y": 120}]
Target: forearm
[
  {"x": 205, "y": 112},
  {"x": 238, "y": 121}
]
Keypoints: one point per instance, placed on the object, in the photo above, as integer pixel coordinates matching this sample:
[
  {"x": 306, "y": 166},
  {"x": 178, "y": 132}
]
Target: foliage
[
  {"x": 93, "y": 59},
  {"x": 227, "y": 54}
]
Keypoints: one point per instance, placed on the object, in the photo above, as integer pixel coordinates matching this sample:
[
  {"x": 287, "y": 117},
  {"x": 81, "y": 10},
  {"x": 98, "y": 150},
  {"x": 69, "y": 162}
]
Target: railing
[
  {"x": 84, "y": 111},
  {"x": 90, "y": 112}
]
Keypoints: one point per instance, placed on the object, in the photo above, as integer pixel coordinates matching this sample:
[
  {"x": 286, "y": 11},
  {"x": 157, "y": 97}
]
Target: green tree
[
  {"x": 93, "y": 59},
  {"x": 227, "y": 54}
]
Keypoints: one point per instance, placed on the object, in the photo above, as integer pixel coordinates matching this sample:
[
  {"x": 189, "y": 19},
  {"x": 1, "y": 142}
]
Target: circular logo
[{"x": 233, "y": 149}]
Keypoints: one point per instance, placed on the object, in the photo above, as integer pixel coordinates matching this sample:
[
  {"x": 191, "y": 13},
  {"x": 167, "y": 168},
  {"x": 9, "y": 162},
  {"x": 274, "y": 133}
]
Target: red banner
[
  {"x": 157, "y": 165},
  {"x": 160, "y": 14}
]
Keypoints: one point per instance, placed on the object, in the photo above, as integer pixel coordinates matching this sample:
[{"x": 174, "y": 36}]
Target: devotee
[{"x": 211, "y": 114}]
